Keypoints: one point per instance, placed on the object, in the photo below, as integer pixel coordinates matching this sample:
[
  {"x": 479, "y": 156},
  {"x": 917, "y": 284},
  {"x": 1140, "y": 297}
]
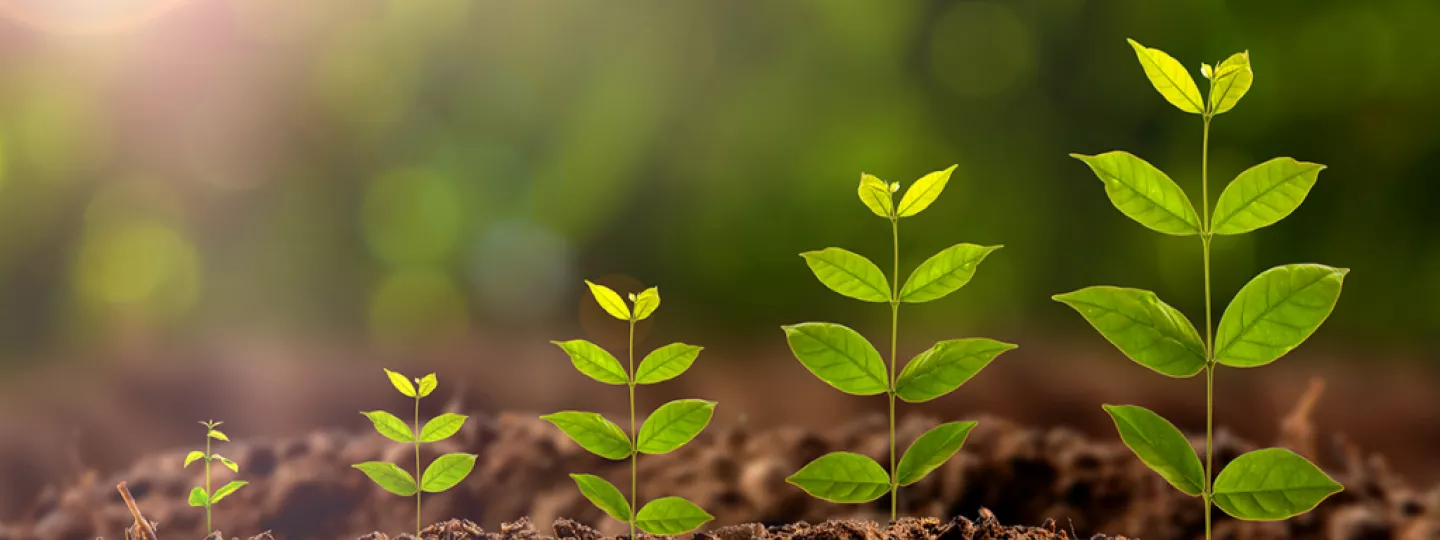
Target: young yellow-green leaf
[
  {"x": 923, "y": 192},
  {"x": 442, "y": 427},
  {"x": 603, "y": 495},
  {"x": 427, "y": 385},
  {"x": 401, "y": 383},
  {"x": 1170, "y": 78},
  {"x": 227, "y": 462},
  {"x": 1206, "y": 70},
  {"x": 391, "y": 427},
  {"x": 849, "y": 274},
  {"x": 218, "y": 435},
  {"x": 1263, "y": 195},
  {"x": 446, "y": 471},
  {"x": 594, "y": 361},
  {"x": 198, "y": 497},
  {"x": 1276, "y": 312},
  {"x": 876, "y": 195},
  {"x": 666, "y": 363},
  {"x": 1272, "y": 484},
  {"x": 946, "y": 366},
  {"x": 1144, "y": 193},
  {"x": 944, "y": 273},
  {"x": 674, "y": 424},
  {"x": 610, "y": 301},
  {"x": 670, "y": 516},
  {"x": 842, "y": 477},
  {"x": 839, "y": 356},
  {"x": 1162, "y": 447},
  {"x": 646, "y": 303},
  {"x": 1231, "y": 81},
  {"x": 192, "y": 457},
  {"x": 388, "y": 476},
  {"x": 592, "y": 432},
  {"x": 931, "y": 450},
  {"x": 1147, "y": 330},
  {"x": 226, "y": 490}
]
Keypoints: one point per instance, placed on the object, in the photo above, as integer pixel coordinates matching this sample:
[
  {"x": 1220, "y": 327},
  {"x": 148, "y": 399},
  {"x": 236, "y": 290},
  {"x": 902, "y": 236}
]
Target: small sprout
[
  {"x": 668, "y": 428},
  {"x": 202, "y": 496},
  {"x": 443, "y": 473},
  {"x": 894, "y": 187},
  {"x": 1205, "y": 70}
]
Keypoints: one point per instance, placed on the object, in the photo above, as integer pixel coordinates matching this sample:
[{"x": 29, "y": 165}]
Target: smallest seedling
[{"x": 201, "y": 495}]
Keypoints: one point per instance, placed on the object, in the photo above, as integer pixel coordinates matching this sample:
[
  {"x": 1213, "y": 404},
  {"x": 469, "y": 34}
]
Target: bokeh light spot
[
  {"x": 413, "y": 217},
  {"x": 982, "y": 49},
  {"x": 417, "y": 305},
  {"x": 142, "y": 264}
]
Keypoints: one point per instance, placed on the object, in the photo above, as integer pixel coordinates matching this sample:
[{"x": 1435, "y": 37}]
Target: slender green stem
[
  {"x": 1205, "y": 236},
  {"x": 208, "y": 530},
  {"x": 418, "y": 524},
  {"x": 894, "y": 331},
  {"x": 634, "y": 447}
]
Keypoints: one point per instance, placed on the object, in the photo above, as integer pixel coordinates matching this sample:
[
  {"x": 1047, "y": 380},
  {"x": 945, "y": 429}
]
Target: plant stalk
[
  {"x": 1205, "y": 236},
  {"x": 418, "y": 524},
  {"x": 208, "y": 530},
  {"x": 894, "y": 331},
  {"x": 634, "y": 446}
]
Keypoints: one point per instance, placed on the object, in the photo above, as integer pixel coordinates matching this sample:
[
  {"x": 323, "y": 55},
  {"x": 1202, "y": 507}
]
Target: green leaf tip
[{"x": 842, "y": 477}]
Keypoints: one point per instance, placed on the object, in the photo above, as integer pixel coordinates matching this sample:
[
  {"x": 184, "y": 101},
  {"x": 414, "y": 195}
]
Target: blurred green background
[{"x": 406, "y": 172}]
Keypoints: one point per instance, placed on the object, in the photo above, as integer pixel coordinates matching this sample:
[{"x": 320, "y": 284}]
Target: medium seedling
[
  {"x": 669, "y": 427},
  {"x": 844, "y": 359},
  {"x": 1271, "y": 315},
  {"x": 202, "y": 495},
  {"x": 443, "y": 473}
]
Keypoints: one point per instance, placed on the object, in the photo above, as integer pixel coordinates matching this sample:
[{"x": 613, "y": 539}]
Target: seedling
[
  {"x": 844, "y": 359},
  {"x": 202, "y": 495},
  {"x": 669, "y": 427},
  {"x": 443, "y": 473},
  {"x": 1271, "y": 315}
]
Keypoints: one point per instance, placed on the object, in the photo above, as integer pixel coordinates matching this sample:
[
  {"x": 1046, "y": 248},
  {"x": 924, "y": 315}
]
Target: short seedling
[
  {"x": 443, "y": 473},
  {"x": 669, "y": 427},
  {"x": 844, "y": 359},
  {"x": 1271, "y": 315},
  {"x": 202, "y": 495}
]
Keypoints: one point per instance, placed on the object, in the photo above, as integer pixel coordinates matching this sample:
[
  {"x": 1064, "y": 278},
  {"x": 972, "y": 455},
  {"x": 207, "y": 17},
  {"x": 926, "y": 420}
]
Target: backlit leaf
[
  {"x": 1263, "y": 195},
  {"x": 1147, "y": 330},
  {"x": 923, "y": 192},
  {"x": 1162, "y": 447},
  {"x": 646, "y": 303},
  {"x": 391, "y": 427},
  {"x": 218, "y": 435},
  {"x": 944, "y": 273},
  {"x": 931, "y": 450},
  {"x": 842, "y": 477},
  {"x": 674, "y": 424},
  {"x": 401, "y": 383},
  {"x": 839, "y": 356},
  {"x": 670, "y": 516},
  {"x": 198, "y": 497},
  {"x": 1232, "y": 79},
  {"x": 946, "y": 366},
  {"x": 1144, "y": 193},
  {"x": 446, "y": 471},
  {"x": 610, "y": 301},
  {"x": 593, "y": 432},
  {"x": 1170, "y": 78},
  {"x": 594, "y": 361},
  {"x": 849, "y": 274},
  {"x": 1271, "y": 484},
  {"x": 427, "y": 385},
  {"x": 388, "y": 476},
  {"x": 227, "y": 462},
  {"x": 876, "y": 195},
  {"x": 666, "y": 363},
  {"x": 1276, "y": 312},
  {"x": 190, "y": 458},
  {"x": 226, "y": 490},
  {"x": 603, "y": 495},
  {"x": 442, "y": 427}
]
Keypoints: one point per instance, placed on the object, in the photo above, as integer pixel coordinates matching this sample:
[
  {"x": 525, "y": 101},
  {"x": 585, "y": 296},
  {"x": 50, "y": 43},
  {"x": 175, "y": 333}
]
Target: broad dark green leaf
[
  {"x": 670, "y": 516},
  {"x": 391, "y": 427},
  {"x": 849, "y": 274},
  {"x": 839, "y": 356},
  {"x": 876, "y": 195},
  {"x": 442, "y": 427},
  {"x": 1162, "y": 447},
  {"x": 1276, "y": 312},
  {"x": 1144, "y": 193},
  {"x": 427, "y": 385},
  {"x": 610, "y": 301},
  {"x": 1230, "y": 81},
  {"x": 226, "y": 490},
  {"x": 1170, "y": 78},
  {"x": 843, "y": 477},
  {"x": 1271, "y": 484},
  {"x": 1263, "y": 195},
  {"x": 923, "y": 192},
  {"x": 603, "y": 495},
  {"x": 593, "y": 432},
  {"x": 674, "y": 424},
  {"x": 388, "y": 476},
  {"x": 198, "y": 497},
  {"x": 1147, "y": 330},
  {"x": 946, "y": 366},
  {"x": 666, "y": 363},
  {"x": 401, "y": 383},
  {"x": 931, "y": 450},
  {"x": 194, "y": 455},
  {"x": 594, "y": 361},
  {"x": 944, "y": 273},
  {"x": 646, "y": 303},
  {"x": 446, "y": 471}
]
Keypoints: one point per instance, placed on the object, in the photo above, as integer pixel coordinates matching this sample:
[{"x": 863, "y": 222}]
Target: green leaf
[
  {"x": 1162, "y": 447},
  {"x": 442, "y": 427},
  {"x": 198, "y": 497},
  {"x": 226, "y": 490},
  {"x": 923, "y": 192},
  {"x": 1170, "y": 78},
  {"x": 1272, "y": 484},
  {"x": 234, "y": 467},
  {"x": 388, "y": 476},
  {"x": 944, "y": 273},
  {"x": 666, "y": 363},
  {"x": 192, "y": 457},
  {"x": 839, "y": 356},
  {"x": 446, "y": 471},
  {"x": 1276, "y": 312},
  {"x": 1263, "y": 195},
  {"x": 594, "y": 361},
  {"x": 674, "y": 424},
  {"x": 218, "y": 435},
  {"x": 593, "y": 432},
  {"x": 876, "y": 195},
  {"x": 1232, "y": 79},
  {"x": 849, "y": 274},
  {"x": 427, "y": 385},
  {"x": 1147, "y": 330},
  {"x": 610, "y": 301},
  {"x": 946, "y": 366},
  {"x": 603, "y": 495},
  {"x": 647, "y": 303},
  {"x": 931, "y": 450},
  {"x": 842, "y": 477},
  {"x": 1144, "y": 193},
  {"x": 401, "y": 383},
  {"x": 391, "y": 427},
  {"x": 670, "y": 516}
]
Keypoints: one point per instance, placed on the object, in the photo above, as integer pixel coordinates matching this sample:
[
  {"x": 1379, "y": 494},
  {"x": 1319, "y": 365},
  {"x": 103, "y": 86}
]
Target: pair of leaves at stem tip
[
  {"x": 645, "y": 303},
  {"x": 660, "y": 365},
  {"x": 442, "y": 474},
  {"x": 1228, "y": 82},
  {"x": 669, "y": 427},
  {"x": 847, "y": 477},
  {"x": 879, "y": 197},
  {"x": 847, "y": 361},
  {"x": 437, "y": 429},
  {"x": 199, "y": 498},
  {"x": 1268, "y": 484},
  {"x": 853, "y": 275},
  {"x": 198, "y": 455},
  {"x": 426, "y": 384},
  {"x": 1270, "y": 316},
  {"x": 663, "y": 516}
]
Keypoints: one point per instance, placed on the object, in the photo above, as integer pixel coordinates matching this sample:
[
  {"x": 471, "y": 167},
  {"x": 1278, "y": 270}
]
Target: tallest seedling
[
  {"x": 842, "y": 357},
  {"x": 1271, "y": 315}
]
